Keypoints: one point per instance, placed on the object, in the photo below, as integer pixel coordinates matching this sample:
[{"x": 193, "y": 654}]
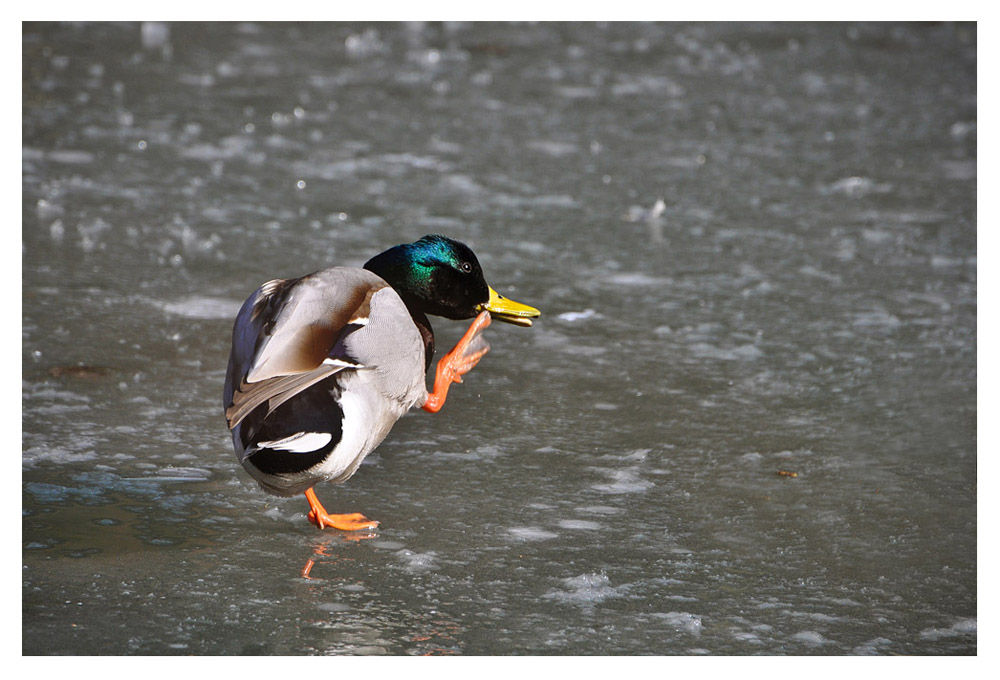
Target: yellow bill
[{"x": 507, "y": 310}]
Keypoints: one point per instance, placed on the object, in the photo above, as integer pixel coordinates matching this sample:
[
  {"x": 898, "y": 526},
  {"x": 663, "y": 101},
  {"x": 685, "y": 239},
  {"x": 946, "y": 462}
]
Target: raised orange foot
[{"x": 459, "y": 361}]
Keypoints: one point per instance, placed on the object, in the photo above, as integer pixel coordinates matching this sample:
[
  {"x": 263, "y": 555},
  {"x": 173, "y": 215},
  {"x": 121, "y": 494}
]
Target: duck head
[{"x": 441, "y": 276}]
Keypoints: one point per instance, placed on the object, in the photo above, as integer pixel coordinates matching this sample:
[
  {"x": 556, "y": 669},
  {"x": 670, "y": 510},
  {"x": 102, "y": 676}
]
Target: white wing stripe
[
  {"x": 341, "y": 363},
  {"x": 300, "y": 442}
]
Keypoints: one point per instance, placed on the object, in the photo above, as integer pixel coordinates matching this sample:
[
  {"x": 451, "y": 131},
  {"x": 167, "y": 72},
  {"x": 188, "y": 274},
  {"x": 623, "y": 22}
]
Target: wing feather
[{"x": 290, "y": 334}]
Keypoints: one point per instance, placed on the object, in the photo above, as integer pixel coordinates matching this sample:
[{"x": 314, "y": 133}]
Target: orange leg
[
  {"x": 457, "y": 363},
  {"x": 349, "y": 522}
]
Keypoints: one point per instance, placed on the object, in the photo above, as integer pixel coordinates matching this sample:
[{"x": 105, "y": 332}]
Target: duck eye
[{"x": 466, "y": 267}]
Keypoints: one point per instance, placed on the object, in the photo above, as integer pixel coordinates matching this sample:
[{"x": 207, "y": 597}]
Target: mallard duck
[{"x": 322, "y": 366}]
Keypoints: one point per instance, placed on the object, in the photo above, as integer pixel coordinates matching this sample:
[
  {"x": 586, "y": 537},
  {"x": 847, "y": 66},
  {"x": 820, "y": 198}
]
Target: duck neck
[
  {"x": 423, "y": 325},
  {"x": 395, "y": 266}
]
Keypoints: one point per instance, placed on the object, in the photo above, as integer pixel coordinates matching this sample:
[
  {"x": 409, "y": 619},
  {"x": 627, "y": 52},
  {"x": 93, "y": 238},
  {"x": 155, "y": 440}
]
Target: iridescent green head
[{"x": 441, "y": 276}]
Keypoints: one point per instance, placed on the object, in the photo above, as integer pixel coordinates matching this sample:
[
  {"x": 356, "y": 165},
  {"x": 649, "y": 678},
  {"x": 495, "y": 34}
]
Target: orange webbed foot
[
  {"x": 318, "y": 515},
  {"x": 353, "y": 521},
  {"x": 459, "y": 361}
]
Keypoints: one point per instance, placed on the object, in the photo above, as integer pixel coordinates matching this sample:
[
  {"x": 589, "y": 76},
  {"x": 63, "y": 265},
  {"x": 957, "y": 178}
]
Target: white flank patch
[
  {"x": 301, "y": 442},
  {"x": 367, "y": 420},
  {"x": 354, "y": 439}
]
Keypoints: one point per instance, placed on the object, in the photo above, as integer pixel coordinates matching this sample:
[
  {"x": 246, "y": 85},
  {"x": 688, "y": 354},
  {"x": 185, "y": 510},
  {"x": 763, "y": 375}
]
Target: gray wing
[{"x": 292, "y": 333}]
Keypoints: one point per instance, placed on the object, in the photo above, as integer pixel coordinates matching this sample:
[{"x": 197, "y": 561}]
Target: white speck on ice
[
  {"x": 872, "y": 647},
  {"x": 689, "y": 623},
  {"x": 202, "y": 307},
  {"x": 585, "y": 315},
  {"x": 810, "y": 637},
  {"x": 417, "y": 561},
  {"x": 624, "y": 481},
  {"x": 532, "y": 533},
  {"x": 578, "y": 524},
  {"x": 586, "y": 589},
  {"x": 963, "y": 627}
]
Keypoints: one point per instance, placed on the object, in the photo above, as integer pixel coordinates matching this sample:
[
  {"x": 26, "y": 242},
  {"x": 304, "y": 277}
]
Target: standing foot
[{"x": 318, "y": 515}]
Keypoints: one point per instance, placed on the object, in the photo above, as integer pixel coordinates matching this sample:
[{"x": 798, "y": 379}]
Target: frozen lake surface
[{"x": 745, "y": 423}]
